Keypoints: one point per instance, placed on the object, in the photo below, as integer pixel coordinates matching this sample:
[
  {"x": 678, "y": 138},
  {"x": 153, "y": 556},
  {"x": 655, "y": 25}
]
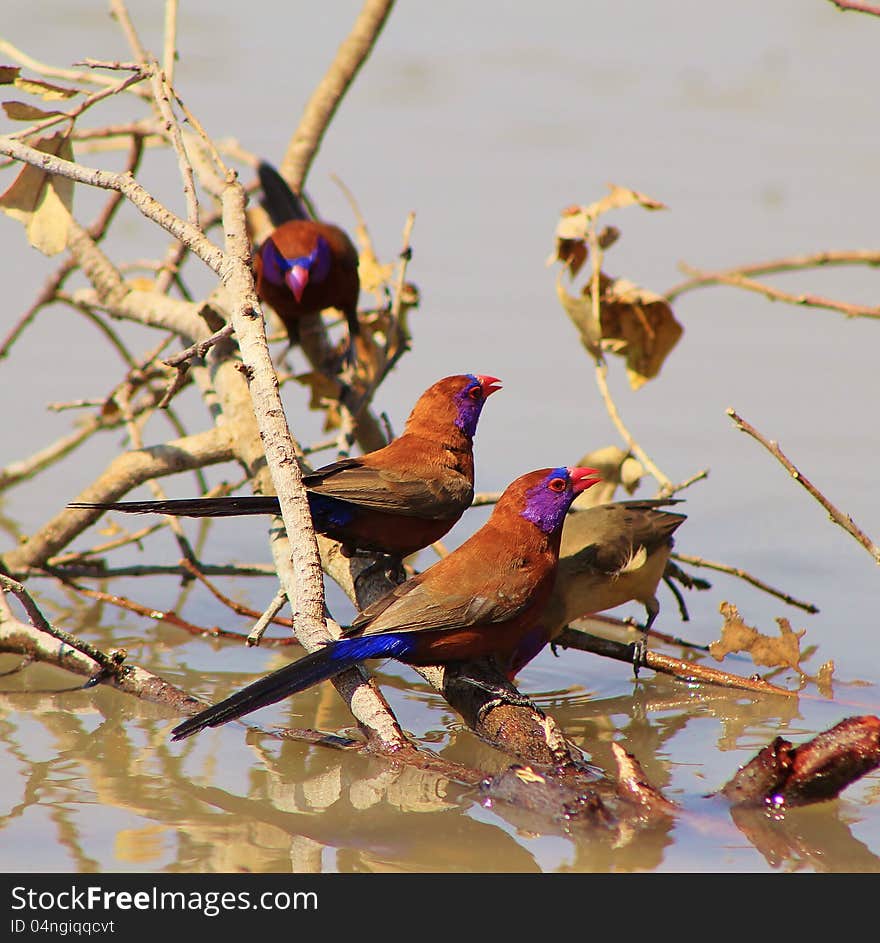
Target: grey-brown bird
[{"x": 610, "y": 554}]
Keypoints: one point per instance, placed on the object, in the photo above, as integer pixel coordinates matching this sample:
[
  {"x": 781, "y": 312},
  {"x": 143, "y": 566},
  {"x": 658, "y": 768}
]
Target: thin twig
[
  {"x": 38, "y": 621},
  {"x": 166, "y": 617},
  {"x": 162, "y": 96},
  {"x": 195, "y": 570},
  {"x": 736, "y": 280},
  {"x": 169, "y": 42},
  {"x": 326, "y": 98},
  {"x": 180, "y": 361},
  {"x": 255, "y": 636},
  {"x": 666, "y": 485},
  {"x": 744, "y": 575},
  {"x": 74, "y": 113},
  {"x": 119, "y": 12},
  {"x": 794, "y": 263},
  {"x": 134, "y": 435},
  {"x": 699, "y": 476},
  {"x": 99, "y": 571},
  {"x": 843, "y": 520},
  {"x": 69, "y": 75},
  {"x": 56, "y": 281},
  {"x": 665, "y": 664},
  {"x": 601, "y": 372}
]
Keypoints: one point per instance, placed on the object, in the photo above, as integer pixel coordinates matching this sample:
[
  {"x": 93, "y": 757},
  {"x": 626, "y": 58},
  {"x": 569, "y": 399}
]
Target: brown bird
[
  {"x": 480, "y": 600},
  {"x": 304, "y": 265},
  {"x": 395, "y": 500},
  {"x": 610, "y": 554}
]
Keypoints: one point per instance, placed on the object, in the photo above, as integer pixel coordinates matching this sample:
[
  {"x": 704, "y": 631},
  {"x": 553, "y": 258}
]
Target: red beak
[
  {"x": 583, "y": 478},
  {"x": 297, "y": 279},
  {"x": 488, "y": 384}
]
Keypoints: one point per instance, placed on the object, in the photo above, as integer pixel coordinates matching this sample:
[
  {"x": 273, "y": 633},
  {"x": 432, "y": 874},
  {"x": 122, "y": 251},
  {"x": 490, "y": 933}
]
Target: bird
[
  {"x": 610, "y": 554},
  {"x": 395, "y": 500},
  {"x": 304, "y": 265},
  {"x": 478, "y": 601}
]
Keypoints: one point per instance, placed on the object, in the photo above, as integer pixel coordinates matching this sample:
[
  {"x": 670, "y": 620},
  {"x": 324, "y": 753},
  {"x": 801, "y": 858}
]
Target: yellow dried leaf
[
  {"x": 20, "y": 111},
  {"x": 45, "y": 90},
  {"x": 373, "y": 274},
  {"x": 41, "y": 201},
  {"x": 636, "y": 324},
  {"x": 621, "y": 197},
  {"x": 575, "y": 221},
  {"x": 783, "y": 651},
  {"x": 580, "y": 311}
]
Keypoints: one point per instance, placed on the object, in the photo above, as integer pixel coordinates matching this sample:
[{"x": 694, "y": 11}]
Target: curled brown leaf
[{"x": 783, "y": 651}]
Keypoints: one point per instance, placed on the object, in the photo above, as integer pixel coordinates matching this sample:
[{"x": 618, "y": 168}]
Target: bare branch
[
  {"x": 744, "y": 575},
  {"x": 843, "y": 520},
  {"x": 665, "y": 664},
  {"x": 830, "y": 258},
  {"x": 736, "y": 280},
  {"x": 354, "y": 51}
]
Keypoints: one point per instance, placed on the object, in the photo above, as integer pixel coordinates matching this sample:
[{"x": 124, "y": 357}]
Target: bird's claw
[
  {"x": 640, "y": 655},
  {"x": 504, "y": 694}
]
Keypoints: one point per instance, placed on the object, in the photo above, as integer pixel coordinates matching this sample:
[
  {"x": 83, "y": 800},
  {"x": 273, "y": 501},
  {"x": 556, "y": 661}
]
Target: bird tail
[
  {"x": 278, "y": 200},
  {"x": 193, "y": 507},
  {"x": 325, "y": 663}
]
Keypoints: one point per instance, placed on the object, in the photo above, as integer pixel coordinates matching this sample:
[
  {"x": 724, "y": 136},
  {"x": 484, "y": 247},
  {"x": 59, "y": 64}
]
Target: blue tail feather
[{"x": 315, "y": 667}]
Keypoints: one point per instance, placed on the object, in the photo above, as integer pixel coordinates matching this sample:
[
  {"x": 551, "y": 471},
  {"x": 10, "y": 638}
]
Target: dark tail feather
[
  {"x": 325, "y": 663},
  {"x": 193, "y": 507},
  {"x": 279, "y": 201},
  {"x": 314, "y": 667}
]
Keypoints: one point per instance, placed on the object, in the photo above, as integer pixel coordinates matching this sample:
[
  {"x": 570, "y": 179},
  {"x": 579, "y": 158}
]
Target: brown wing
[
  {"x": 464, "y": 589},
  {"x": 382, "y": 489}
]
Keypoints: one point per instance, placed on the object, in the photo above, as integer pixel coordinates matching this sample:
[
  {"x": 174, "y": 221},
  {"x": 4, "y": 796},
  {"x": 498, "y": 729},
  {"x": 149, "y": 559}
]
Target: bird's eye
[
  {"x": 556, "y": 484},
  {"x": 475, "y": 392}
]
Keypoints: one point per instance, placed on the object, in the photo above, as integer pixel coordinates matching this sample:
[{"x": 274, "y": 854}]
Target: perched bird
[
  {"x": 478, "y": 601},
  {"x": 395, "y": 500},
  {"x": 610, "y": 554},
  {"x": 304, "y": 265}
]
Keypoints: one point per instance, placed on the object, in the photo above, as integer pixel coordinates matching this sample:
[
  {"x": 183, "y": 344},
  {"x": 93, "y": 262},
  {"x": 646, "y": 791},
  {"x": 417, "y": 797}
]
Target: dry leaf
[
  {"x": 41, "y": 201},
  {"x": 781, "y": 652},
  {"x": 373, "y": 274},
  {"x": 636, "y": 324},
  {"x": 620, "y": 197},
  {"x": 45, "y": 90},
  {"x": 580, "y": 311},
  {"x": 19, "y": 111},
  {"x": 575, "y": 221},
  {"x": 9, "y": 73}
]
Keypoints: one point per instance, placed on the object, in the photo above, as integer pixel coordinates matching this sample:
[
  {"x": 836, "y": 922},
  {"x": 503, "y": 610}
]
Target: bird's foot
[
  {"x": 505, "y": 694},
  {"x": 640, "y": 655},
  {"x": 388, "y": 564}
]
